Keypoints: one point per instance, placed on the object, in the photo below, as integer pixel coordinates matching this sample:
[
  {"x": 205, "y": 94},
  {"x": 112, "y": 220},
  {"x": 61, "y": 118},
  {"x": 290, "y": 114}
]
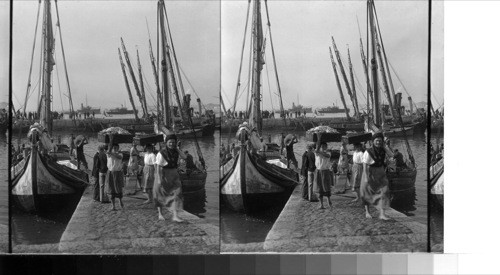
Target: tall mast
[
  {"x": 127, "y": 85},
  {"x": 365, "y": 67},
  {"x": 338, "y": 84},
  {"x": 352, "y": 80},
  {"x": 384, "y": 80},
  {"x": 344, "y": 76},
  {"x": 132, "y": 76},
  {"x": 167, "y": 118},
  {"x": 256, "y": 117},
  {"x": 48, "y": 63},
  {"x": 142, "y": 85},
  {"x": 159, "y": 100},
  {"x": 373, "y": 61}
]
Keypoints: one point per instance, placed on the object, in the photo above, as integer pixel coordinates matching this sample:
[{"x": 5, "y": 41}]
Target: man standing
[
  {"x": 80, "y": 156},
  {"x": 290, "y": 155},
  {"x": 114, "y": 177},
  {"x": 103, "y": 169}
]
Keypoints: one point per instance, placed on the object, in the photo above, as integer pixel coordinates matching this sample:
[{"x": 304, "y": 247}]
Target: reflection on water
[
  {"x": 33, "y": 229},
  {"x": 239, "y": 228}
]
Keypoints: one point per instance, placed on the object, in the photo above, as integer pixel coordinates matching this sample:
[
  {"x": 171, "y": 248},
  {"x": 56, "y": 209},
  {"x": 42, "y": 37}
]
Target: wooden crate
[
  {"x": 325, "y": 137},
  {"x": 117, "y": 138},
  {"x": 357, "y": 138},
  {"x": 146, "y": 139}
]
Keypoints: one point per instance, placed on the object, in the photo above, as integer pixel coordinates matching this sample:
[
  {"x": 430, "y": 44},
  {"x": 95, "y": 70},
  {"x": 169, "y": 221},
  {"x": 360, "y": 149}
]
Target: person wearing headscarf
[
  {"x": 374, "y": 183},
  {"x": 167, "y": 187},
  {"x": 148, "y": 172}
]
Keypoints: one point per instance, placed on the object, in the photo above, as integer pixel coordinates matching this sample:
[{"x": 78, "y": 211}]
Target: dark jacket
[
  {"x": 95, "y": 168},
  {"x": 103, "y": 163},
  {"x": 309, "y": 162}
]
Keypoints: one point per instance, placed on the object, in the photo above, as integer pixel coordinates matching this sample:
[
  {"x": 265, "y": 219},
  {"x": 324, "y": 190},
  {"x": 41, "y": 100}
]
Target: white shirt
[
  {"x": 368, "y": 159},
  {"x": 322, "y": 163},
  {"x": 357, "y": 157},
  {"x": 160, "y": 160},
  {"x": 149, "y": 159},
  {"x": 114, "y": 164}
]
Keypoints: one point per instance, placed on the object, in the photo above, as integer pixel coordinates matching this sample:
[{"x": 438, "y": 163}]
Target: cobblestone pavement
[
  {"x": 303, "y": 227},
  {"x": 96, "y": 229},
  {"x": 4, "y": 238}
]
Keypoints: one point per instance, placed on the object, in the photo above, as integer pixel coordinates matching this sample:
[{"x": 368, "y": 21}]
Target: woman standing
[
  {"x": 133, "y": 163},
  {"x": 374, "y": 183},
  {"x": 357, "y": 169},
  {"x": 149, "y": 172},
  {"x": 167, "y": 187}
]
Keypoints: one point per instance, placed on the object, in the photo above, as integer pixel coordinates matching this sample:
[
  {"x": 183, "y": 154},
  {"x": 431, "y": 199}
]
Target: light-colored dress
[
  {"x": 357, "y": 169},
  {"x": 148, "y": 171}
]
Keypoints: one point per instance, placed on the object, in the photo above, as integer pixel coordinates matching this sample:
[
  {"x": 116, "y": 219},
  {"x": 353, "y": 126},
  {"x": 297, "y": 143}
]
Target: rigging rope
[
  {"x": 238, "y": 83},
  {"x": 32, "y": 56}
]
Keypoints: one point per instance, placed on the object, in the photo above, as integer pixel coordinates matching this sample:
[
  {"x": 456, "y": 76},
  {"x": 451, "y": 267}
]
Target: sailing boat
[
  {"x": 192, "y": 180},
  {"x": 401, "y": 180},
  {"x": 46, "y": 179},
  {"x": 253, "y": 180},
  {"x": 180, "y": 115}
]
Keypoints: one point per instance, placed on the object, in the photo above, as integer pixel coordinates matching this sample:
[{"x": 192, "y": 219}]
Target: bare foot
[
  {"x": 113, "y": 208},
  {"x": 355, "y": 200},
  {"x": 368, "y": 216},
  {"x": 176, "y": 219},
  {"x": 122, "y": 206},
  {"x": 161, "y": 218},
  {"x": 146, "y": 202},
  {"x": 383, "y": 217},
  {"x": 321, "y": 207}
]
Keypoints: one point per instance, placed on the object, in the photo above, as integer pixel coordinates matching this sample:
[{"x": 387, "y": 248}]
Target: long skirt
[
  {"x": 374, "y": 188},
  {"x": 324, "y": 181},
  {"x": 148, "y": 175},
  {"x": 115, "y": 184},
  {"x": 167, "y": 187},
  {"x": 356, "y": 174}
]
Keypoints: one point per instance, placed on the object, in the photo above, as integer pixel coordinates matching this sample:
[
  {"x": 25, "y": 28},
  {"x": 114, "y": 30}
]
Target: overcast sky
[
  {"x": 4, "y": 50},
  {"x": 437, "y": 54},
  {"x": 91, "y": 33},
  {"x": 301, "y": 34}
]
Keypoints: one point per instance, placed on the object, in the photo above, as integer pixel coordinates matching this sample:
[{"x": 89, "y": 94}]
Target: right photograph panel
[{"x": 323, "y": 138}]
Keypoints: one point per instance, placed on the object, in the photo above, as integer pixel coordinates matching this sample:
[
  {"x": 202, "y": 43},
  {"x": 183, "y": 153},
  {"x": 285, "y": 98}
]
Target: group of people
[
  {"x": 368, "y": 179},
  {"x": 160, "y": 177}
]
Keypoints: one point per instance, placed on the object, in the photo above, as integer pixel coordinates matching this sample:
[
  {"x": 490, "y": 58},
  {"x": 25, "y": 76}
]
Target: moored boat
[
  {"x": 255, "y": 180},
  {"x": 46, "y": 179}
]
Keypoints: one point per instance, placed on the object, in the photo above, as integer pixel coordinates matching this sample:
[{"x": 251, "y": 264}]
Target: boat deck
[
  {"x": 95, "y": 228},
  {"x": 302, "y": 227}
]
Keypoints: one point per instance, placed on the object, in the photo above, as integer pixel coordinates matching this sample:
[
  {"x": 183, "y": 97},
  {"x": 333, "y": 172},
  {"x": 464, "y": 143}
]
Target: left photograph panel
[
  {"x": 4, "y": 123},
  {"x": 116, "y": 127}
]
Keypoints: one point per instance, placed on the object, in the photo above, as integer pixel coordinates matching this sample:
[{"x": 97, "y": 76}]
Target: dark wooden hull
[
  {"x": 44, "y": 185},
  {"x": 402, "y": 184},
  {"x": 193, "y": 182},
  {"x": 252, "y": 185}
]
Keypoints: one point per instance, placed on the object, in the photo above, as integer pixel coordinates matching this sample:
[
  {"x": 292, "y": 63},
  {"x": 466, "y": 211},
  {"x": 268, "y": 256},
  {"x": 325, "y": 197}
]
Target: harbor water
[
  {"x": 237, "y": 228},
  {"x": 47, "y": 228}
]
